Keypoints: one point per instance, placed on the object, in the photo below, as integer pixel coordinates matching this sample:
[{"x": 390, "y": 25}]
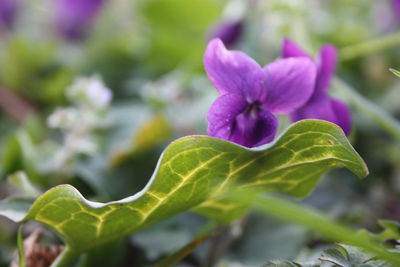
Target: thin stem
[
  {"x": 65, "y": 258},
  {"x": 369, "y": 47},
  {"x": 21, "y": 249},
  {"x": 370, "y": 109},
  {"x": 213, "y": 249},
  {"x": 224, "y": 237}
]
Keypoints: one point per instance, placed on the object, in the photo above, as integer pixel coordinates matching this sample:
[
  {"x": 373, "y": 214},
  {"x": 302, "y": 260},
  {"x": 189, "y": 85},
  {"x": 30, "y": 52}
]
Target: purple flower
[
  {"x": 74, "y": 17},
  {"x": 251, "y": 95},
  {"x": 8, "y": 10},
  {"x": 396, "y": 8},
  {"x": 320, "y": 105},
  {"x": 229, "y": 32}
]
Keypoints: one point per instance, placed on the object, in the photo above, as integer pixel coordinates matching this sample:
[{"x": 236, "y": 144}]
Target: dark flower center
[{"x": 253, "y": 108}]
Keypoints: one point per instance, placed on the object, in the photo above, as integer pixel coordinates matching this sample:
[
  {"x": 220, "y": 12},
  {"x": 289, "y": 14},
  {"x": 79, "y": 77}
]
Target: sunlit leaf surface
[{"x": 195, "y": 172}]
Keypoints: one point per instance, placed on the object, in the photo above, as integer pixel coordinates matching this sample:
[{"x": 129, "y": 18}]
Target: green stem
[
  {"x": 368, "y": 47},
  {"x": 65, "y": 258},
  {"x": 21, "y": 249},
  {"x": 370, "y": 109}
]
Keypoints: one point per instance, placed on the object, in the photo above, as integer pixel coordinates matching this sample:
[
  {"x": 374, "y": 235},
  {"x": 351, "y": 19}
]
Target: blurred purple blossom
[
  {"x": 228, "y": 31},
  {"x": 396, "y": 8},
  {"x": 251, "y": 95},
  {"x": 8, "y": 11},
  {"x": 74, "y": 17},
  {"x": 320, "y": 105}
]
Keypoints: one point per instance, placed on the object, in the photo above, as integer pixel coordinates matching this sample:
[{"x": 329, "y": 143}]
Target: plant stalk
[
  {"x": 378, "y": 115},
  {"x": 65, "y": 258},
  {"x": 369, "y": 47}
]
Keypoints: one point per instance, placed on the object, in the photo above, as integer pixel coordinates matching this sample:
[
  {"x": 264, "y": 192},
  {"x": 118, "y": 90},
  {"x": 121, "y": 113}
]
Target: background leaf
[
  {"x": 15, "y": 208},
  {"x": 370, "y": 109},
  {"x": 179, "y": 37},
  {"x": 320, "y": 223}
]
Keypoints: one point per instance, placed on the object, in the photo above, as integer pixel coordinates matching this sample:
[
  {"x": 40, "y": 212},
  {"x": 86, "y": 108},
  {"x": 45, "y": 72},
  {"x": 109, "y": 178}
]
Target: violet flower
[
  {"x": 8, "y": 10},
  {"x": 320, "y": 105},
  {"x": 228, "y": 31},
  {"x": 396, "y": 8},
  {"x": 74, "y": 17},
  {"x": 251, "y": 95}
]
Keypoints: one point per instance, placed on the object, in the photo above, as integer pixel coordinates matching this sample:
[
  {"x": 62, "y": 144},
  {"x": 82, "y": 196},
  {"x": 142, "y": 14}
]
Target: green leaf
[
  {"x": 391, "y": 230},
  {"x": 20, "y": 181},
  {"x": 28, "y": 66},
  {"x": 341, "y": 256},
  {"x": 15, "y": 208},
  {"x": 178, "y": 37},
  {"x": 321, "y": 224},
  {"x": 395, "y": 72},
  {"x": 222, "y": 210},
  {"x": 335, "y": 256},
  {"x": 196, "y": 169},
  {"x": 11, "y": 154},
  {"x": 349, "y": 256},
  {"x": 154, "y": 132}
]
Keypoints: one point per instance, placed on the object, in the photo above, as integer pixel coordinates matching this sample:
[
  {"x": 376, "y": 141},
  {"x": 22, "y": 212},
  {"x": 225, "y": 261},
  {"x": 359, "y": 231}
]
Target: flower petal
[
  {"x": 230, "y": 119},
  {"x": 326, "y": 68},
  {"x": 290, "y": 83},
  {"x": 319, "y": 109},
  {"x": 291, "y": 49},
  {"x": 253, "y": 130},
  {"x": 231, "y": 71},
  {"x": 343, "y": 115},
  {"x": 8, "y": 13},
  {"x": 222, "y": 114},
  {"x": 74, "y": 17},
  {"x": 396, "y": 8},
  {"x": 327, "y": 109},
  {"x": 228, "y": 31}
]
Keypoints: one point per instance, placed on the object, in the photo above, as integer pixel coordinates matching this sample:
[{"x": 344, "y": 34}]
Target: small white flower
[
  {"x": 98, "y": 95},
  {"x": 63, "y": 118},
  {"x": 90, "y": 91},
  {"x": 90, "y": 100}
]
